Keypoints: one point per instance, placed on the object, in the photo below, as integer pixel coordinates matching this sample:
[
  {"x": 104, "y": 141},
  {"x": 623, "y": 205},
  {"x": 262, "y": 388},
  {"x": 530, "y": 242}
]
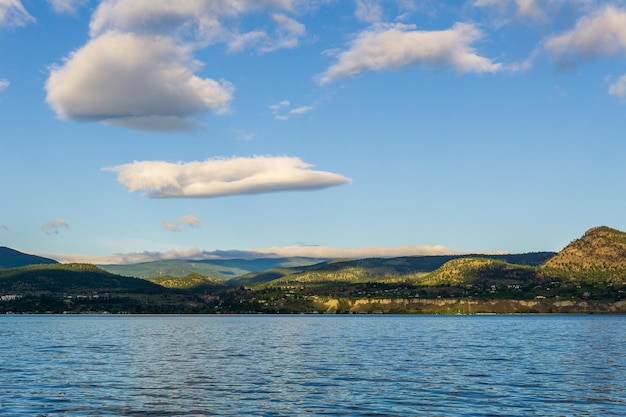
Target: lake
[{"x": 531, "y": 365}]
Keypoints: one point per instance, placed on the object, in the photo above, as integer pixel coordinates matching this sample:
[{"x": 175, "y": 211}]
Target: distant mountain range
[
  {"x": 589, "y": 275},
  {"x": 218, "y": 269},
  {"x": 405, "y": 268},
  {"x": 10, "y": 258}
]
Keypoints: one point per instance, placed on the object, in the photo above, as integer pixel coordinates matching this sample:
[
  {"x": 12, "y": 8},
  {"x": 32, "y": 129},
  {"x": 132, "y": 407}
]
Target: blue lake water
[{"x": 313, "y": 365}]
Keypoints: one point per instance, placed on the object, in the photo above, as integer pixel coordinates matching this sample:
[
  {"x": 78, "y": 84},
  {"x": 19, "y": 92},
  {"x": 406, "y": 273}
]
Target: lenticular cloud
[{"x": 223, "y": 177}]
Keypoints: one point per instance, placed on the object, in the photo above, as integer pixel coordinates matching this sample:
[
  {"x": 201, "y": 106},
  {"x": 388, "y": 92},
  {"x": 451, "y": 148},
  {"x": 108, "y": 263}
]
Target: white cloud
[
  {"x": 282, "y": 110},
  {"x": 4, "y": 84},
  {"x": 619, "y": 87},
  {"x": 368, "y": 11},
  {"x": 223, "y": 177},
  {"x": 246, "y": 40},
  {"x": 13, "y": 13},
  {"x": 242, "y": 134},
  {"x": 280, "y": 105},
  {"x": 53, "y": 226},
  {"x": 197, "y": 21},
  {"x": 392, "y": 46},
  {"x": 301, "y": 110},
  {"x": 139, "y": 81},
  {"x": 177, "y": 225},
  {"x": 363, "y": 252},
  {"x": 190, "y": 220},
  {"x": 138, "y": 69},
  {"x": 66, "y": 6},
  {"x": 288, "y": 32},
  {"x": 524, "y": 8},
  {"x": 273, "y": 252},
  {"x": 172, "y": 226},
  {"x": 600, "y": 33}
]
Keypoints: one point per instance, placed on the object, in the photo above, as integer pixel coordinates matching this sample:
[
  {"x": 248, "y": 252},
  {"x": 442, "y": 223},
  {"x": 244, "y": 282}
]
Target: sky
[{"x": 137, "y": 130}]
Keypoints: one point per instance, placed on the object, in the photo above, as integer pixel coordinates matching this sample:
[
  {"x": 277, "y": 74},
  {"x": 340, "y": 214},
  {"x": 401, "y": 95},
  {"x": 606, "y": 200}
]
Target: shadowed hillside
[
  {"x": 219, "y": 269},
  {"x": 400, "y": 269},
  {"x": 10, "y": 258},
  {"x": 69, "y": 278}
]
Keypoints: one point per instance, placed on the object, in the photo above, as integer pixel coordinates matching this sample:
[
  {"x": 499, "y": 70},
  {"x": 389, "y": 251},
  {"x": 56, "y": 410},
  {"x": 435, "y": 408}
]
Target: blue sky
[{"x": 135, "y": 130}]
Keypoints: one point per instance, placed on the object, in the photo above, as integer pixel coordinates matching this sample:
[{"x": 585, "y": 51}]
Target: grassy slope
[
  {"x": 192, "y": 281},
  {"x": 598, "y": 256}
]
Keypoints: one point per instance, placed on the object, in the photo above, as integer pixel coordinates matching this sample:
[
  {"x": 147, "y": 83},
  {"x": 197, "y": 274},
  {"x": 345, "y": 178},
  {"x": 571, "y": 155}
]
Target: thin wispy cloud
[
  {"x": 618, "y": 88},
  {"x": 524, "y": 8},
  {"x": 66, "y": 6},
  {"x": 54, "y": 226},
  {"x": 13, "y": 14},
  {"x": 283, "y": 110},
  {"x": 242, "y": 134},
  {"x": 4, "y": 84},
  {"x": 223, "y": 177},
  {"x": 600, "y": 33},
  {"x": 369, "y": 11},
  {"x": 177, "y": 225},
  {"x": 389, "y": 46}
]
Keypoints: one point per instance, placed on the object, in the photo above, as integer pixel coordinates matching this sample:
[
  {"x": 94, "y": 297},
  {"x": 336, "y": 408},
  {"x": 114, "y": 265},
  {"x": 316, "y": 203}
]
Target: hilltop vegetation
[
  {"x": 191, "y": 281},
  {"x": 600, "y": 255},
  {"x": 482, "y": 272},
  {"x": 589, "y": 275},
  {"x": 400, "y": 269}
]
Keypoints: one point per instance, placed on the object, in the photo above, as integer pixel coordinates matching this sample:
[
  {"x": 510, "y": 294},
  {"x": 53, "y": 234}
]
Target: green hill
[
  {"x": 193, "y": 281},
  {"x": 482, "y": 272},
  {"x": 219, "y": 269},
  {"x": 389, "y": 270},
  {"x": 598, "y": 256},
  {"x": 10, "y": 258},
  {"x": 69, "y": 278}
]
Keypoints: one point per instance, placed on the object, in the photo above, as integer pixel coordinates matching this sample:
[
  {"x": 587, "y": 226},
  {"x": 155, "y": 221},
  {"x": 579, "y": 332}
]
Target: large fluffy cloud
[
  {"x": 138, "y": 69},
  {"x": 123, "y": 77},
  {"x": 600, "y": 33},
  {"x": 397, "y": 45},
  {"x": 223, "y": 177},
  {"x": 13, "y": 13}
]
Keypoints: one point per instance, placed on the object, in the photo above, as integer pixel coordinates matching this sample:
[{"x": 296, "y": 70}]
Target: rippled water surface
[{"x": 312, "y": 365}]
